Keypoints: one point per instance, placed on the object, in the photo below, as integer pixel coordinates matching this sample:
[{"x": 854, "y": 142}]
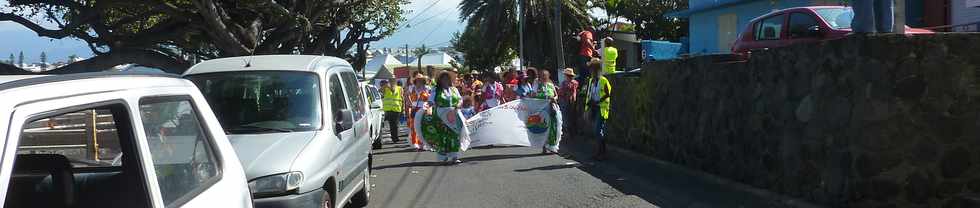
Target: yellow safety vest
[
  {"x": 392, "y": 99},
  {"x": 609, "y": 56},
  {"x": 603, "y": 103}
]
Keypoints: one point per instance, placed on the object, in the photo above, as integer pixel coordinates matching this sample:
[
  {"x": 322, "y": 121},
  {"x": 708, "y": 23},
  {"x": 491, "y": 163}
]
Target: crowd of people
[
  {"x": 464, "y": 95},
  {"x": 471, "y": 93}
]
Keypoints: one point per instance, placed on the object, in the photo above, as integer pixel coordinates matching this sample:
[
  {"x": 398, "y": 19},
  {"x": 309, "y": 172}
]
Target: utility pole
[
  {"x": 559, "y": 52},
  {"x": 422, "y": 52},
  {"x": 520, "y": 34},
  {"x": 406, "y": 58}
]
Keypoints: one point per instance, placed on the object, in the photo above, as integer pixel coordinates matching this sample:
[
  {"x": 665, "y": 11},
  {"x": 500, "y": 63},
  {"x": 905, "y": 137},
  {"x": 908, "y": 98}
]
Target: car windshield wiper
[{"x": 259, "y": 128}]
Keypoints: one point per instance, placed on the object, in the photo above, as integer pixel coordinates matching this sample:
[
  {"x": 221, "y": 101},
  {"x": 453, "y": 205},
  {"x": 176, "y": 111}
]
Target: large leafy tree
[
  {"x": 169, "y": 34},
  {"x": 650, "y": 17},
  {"x": 498, "y": 26}
]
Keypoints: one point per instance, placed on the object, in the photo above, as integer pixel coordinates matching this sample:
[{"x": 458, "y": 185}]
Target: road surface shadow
[
  {"x": 659, "y": 184},
  {"x": 550, "y": 167},
  {"x": 495, "y": 147},
  {"x": 411, "y": 164},
  {"x": 395, "y": 151},
  {"x": 482, "y": 158}
]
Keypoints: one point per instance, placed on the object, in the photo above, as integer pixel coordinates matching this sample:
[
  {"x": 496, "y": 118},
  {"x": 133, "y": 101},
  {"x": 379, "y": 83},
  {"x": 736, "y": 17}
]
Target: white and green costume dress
[
  {"x": 547, "y": 91},
  {"x": 444, "y": 131}
]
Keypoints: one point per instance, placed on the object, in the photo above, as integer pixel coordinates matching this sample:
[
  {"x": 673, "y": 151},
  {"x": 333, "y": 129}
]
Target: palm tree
[
  {"x": 419, "y": 53},
  {"x": 498, "y": 20}
]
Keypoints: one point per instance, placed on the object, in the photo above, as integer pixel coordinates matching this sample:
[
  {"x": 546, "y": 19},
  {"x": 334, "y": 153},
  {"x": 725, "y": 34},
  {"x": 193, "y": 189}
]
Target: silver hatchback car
[
  {"x": 298, "y": 123},
  {"x": 113, "y": 140}
]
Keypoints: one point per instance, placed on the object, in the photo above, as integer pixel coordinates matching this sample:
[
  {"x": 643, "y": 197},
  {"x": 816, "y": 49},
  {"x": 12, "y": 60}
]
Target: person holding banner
[
  {"x": 443, "y": 127},
  {"x": 546, "y": 91},
  {"x": 599, "y": 90}
]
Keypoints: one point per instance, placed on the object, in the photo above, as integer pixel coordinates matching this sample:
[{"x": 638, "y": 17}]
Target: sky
[{"x": 432, "y": 26}]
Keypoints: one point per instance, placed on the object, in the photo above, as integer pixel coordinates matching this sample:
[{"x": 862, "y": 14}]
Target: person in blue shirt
[{"x": 527, "y": 84}]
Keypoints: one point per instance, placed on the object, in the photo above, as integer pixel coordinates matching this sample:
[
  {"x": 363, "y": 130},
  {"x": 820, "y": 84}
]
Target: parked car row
[{"x": 266, "y": 131}]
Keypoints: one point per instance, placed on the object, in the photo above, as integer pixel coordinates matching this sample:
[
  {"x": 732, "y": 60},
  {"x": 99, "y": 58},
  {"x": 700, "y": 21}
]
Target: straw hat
[{"x": 569, "y": 71}]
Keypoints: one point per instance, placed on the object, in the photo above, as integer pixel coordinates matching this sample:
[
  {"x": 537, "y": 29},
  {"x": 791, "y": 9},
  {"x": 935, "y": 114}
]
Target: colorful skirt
[{"x": 444, "y": 131}]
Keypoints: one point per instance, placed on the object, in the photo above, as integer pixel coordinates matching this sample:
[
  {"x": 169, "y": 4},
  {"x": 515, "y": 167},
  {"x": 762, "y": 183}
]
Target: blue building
[{"x": 715, "y": 24}]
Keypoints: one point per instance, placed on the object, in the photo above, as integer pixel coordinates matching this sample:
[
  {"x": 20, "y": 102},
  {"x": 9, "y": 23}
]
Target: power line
[
  {"x": 422, "y": 12},
  {"x": 433, "y": 31},
  {"x": 434, "y": 16}
]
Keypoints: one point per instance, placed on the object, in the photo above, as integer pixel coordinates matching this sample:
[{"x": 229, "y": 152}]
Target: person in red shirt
[
  {"x": 586, "y": 49},
  {"x": 567, "y": 92},
  {"x": 511, "y": 79}
]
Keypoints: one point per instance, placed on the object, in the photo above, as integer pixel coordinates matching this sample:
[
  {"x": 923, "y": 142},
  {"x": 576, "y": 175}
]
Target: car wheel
[
  {"x": 327, "y": 200},
  {"x": 362, "y": 197}
]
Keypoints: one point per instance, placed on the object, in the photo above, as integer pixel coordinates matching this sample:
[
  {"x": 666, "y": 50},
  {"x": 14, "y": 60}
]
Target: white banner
[{"x": 523, "y": 122}]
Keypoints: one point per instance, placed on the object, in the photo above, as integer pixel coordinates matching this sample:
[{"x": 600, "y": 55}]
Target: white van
[
  {"x": 375, "y": 114},
  {"x": 298, "y": 123},
  {"x": 113, "y": 140}
]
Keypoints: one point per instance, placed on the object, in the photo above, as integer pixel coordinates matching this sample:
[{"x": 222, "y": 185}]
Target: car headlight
[{"x": 276, "y": 184}]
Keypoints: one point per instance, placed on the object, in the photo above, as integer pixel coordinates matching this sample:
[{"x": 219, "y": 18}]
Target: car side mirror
[
  {"x": 814, "y": 31},
  {"x": 343, "y": 120}
]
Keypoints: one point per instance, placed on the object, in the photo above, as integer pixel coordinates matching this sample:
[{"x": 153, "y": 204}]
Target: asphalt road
[
  {"x": 522, "y": 177},
  {"x": 494, "y": 177}
]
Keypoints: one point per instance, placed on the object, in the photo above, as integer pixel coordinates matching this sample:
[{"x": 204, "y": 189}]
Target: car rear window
[{"x": 88, "y": 138}]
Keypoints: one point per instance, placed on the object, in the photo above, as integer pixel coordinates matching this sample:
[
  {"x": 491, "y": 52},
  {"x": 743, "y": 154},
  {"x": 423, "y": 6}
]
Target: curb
[{"x": 762, "y": 193}]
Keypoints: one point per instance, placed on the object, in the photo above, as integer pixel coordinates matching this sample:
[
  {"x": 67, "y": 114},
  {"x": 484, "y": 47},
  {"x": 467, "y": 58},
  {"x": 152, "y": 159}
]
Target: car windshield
[
  {"x": 262, "y": 101},
  {"x": 838, "y": 18}
]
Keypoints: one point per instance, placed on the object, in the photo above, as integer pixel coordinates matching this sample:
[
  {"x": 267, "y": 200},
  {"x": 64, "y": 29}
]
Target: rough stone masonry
[{"x": 876, "y": 121}]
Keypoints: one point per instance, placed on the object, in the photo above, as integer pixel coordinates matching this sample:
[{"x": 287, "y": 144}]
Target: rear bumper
[{"x": 308, "y": 199}]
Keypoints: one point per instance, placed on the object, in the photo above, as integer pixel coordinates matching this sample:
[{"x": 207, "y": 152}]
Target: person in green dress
[
  {"x": 546, "y": 90},
  {"x": 443, "y": 127}
]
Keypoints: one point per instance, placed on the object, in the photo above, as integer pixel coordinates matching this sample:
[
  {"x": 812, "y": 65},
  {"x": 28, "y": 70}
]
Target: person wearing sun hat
[
  {"x": 418, "y": 96},
  {"x": 567, "y": 92}
]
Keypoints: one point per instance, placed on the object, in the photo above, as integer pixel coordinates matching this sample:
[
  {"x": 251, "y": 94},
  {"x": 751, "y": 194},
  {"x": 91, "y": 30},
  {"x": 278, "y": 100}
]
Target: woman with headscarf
[{"x": 442, "y": 125}]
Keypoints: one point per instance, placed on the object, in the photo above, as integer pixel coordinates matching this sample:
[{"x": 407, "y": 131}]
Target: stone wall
[{"x": 880, "y": 121}]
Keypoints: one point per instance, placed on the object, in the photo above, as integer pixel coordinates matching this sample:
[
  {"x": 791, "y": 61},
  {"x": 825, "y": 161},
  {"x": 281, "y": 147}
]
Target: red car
[{"x": 799, "y": 25}]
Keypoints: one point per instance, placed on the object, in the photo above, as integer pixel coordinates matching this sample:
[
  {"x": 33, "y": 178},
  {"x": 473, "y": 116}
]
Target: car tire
[{"x": 362, "y": 197}]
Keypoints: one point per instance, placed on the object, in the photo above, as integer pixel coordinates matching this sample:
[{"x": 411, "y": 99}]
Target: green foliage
[
  {"x": 477, "y": 56},
  {"x": 497, "y": 26},
  {"x": 649, "y": 17}
]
